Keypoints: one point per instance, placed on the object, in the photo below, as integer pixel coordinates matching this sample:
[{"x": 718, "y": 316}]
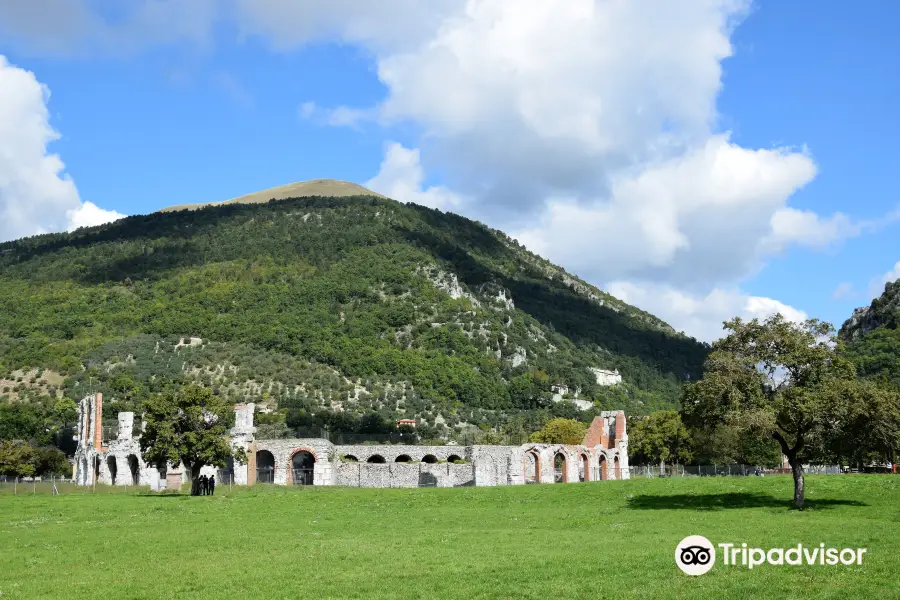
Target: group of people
[{"x": 207, "y": 485}]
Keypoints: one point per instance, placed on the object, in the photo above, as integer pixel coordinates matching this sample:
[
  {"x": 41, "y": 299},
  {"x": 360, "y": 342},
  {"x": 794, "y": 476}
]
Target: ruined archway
[
  {"x": 350, "y": 458},
  {"x": 113, "y": 469},
  {"x": 403, "y": 458},
  {"x": 303, "y": 463},
  {"x": 616, "y": 469},
  {"x": 376, "y": 459},
  {"x": 531, "y": 467},
  {"x": 584, "y": 470},
  {"x": 134, "y": 468},
  {"x": 560, "y": 468},
  {"x": 97, "y": 469},
  {"x": 454, "y": 458},
  {"x": 265, "y": 467},
  {"x": 430, "y": 459},
  {"x": 604, "y": 468}
]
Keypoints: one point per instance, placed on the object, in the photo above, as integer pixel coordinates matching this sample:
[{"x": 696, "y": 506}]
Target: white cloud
[
  {"x": 89, "y": 215},
  {"x": 385, "y": 25},
  {"x": 701, "y": 315},
  {"x": 876, "y": 284},
  {"x": 842, "y": 291},
  {"x": 36, "y": 196},
  {"x": 696, "y": 219},
  {"x": 401, "y": 177},
  {"x": 892, "y": 275},
  {"x": 587, "y": 127},
  {"x": 80, "y": 27}
]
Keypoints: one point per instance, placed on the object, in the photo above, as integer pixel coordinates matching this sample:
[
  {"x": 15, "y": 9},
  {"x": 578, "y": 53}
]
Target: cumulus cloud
[
  {"x": 401, "y": 177},
  {"x": 81, "y": 27},
  {"x": 587, "y": 128},
  {"x": 36, "y": 196},
  {"x": 89, "y": 215},
  {"x": 701, "y": 315},
  {"x": 694, "y": 219}
]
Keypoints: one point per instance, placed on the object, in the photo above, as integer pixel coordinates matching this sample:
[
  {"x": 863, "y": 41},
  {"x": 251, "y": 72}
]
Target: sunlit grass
[{"x": 599, "y": 540}]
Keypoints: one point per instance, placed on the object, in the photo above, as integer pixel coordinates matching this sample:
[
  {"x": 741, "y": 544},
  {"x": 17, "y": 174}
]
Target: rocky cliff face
[{"x": 883, "y": 312}]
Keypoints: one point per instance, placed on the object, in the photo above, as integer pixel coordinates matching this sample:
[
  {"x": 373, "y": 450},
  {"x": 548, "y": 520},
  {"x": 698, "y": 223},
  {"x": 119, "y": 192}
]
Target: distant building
[{"x": 407, "y": 422}]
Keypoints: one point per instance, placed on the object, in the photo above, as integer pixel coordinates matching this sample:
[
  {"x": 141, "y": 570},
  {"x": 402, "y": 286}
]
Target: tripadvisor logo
[{"x": 696, "y": 555}]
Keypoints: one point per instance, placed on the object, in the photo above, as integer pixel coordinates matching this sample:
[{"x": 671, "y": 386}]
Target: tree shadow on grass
[{"x": 726, "y": 501}]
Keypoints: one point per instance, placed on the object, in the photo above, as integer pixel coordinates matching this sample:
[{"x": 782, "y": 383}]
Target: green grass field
[{"x": 611, "y": 539}]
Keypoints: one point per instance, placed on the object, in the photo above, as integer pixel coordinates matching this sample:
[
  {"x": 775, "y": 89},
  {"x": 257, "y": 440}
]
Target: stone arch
[
  {"x": 453, "y": 458},
  {"x": 134, "y": 468},
  {"x": 604, "y": 468},
  {"x": 350, "y": 458},
  {"x": 585, "y": 466},
  {"x": 532, "y": 457},
  {"x": 616, "y": 469},
  {"x": 303, "y": 464},
  {"x": 560, "y": 467},
  {"x": 113, "y": 469},
  {"x": 403, "y": 458},
  {"x": 265, "y": 467},
  {"x": 430, "y": 459},
  {"x": 376, "y": 459}
]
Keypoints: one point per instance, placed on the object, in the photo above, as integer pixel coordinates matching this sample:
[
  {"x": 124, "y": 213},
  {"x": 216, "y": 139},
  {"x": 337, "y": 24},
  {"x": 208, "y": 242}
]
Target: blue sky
[{"x": 723, "y": 159}]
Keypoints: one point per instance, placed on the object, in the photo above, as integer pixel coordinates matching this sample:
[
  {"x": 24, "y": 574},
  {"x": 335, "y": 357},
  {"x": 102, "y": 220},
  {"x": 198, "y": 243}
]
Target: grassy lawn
[{"x": 611, "y": 539}]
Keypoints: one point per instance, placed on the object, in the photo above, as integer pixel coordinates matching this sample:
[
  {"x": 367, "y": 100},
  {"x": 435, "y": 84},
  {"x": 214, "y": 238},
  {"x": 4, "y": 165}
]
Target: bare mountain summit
[{"x": 316, "y": 187}]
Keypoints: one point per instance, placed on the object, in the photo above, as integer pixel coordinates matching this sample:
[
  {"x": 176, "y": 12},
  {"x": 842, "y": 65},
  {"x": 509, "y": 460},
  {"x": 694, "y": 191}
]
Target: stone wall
[
  {"x": 606, "y": 442},
  {"x": 283, "y": 452},
  {"x": 390, "y": 453},
  {"x": 404, "y": 475}
]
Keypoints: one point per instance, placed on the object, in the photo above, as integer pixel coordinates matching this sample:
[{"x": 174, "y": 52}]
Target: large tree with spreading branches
[
  {"x": 791, "y": 382},
  {"x": 189, "y": 426}
]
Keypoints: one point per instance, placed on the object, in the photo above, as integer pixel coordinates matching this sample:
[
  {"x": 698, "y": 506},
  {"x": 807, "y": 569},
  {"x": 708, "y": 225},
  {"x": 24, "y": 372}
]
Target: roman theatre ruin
[{"x": 113, "y": 457}]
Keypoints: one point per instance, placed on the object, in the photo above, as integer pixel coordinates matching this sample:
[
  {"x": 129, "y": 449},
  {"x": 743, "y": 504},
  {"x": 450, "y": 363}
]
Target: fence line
[{"x": 650, "y": 471}]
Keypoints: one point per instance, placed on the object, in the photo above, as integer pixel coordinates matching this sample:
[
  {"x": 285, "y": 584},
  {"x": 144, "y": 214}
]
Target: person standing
[
  {"x": 203, "y": 485},
  {"x": 212, "y": 484}
]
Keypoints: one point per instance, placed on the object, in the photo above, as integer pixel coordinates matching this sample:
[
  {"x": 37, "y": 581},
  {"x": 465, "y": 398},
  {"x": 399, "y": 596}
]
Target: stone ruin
[{"x": 602, "y": 455}]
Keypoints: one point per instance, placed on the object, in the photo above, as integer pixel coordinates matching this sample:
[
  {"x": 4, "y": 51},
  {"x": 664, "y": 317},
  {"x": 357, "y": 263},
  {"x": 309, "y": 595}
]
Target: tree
[
  {"x": 189, "y": 426},
  {"x": 785, "y": 380},
  {"x": 560, "y": 431},
  {"x": 16, "y": 458},
  {"x": 660, "y": 437}
]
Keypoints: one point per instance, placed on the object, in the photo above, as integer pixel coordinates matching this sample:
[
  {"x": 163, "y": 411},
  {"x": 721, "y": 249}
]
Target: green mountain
[
  {"x": 872, "y": 336},
  {"x": 341, "y": 305}
]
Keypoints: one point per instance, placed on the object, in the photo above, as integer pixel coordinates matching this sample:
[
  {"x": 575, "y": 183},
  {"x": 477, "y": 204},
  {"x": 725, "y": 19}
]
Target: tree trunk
[{"x": 799, "y": 491}]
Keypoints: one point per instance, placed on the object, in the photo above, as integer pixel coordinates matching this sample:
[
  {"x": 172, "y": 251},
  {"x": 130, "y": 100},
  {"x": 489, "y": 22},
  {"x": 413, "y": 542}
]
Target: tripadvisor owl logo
[{"x": 695, "y": 555}]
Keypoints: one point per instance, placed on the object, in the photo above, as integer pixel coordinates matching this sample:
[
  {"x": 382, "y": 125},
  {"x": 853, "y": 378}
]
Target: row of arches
[
  {"x": 403, "y": 458},
  {"x": 532, "y": 467},
  {"x": 112, "y": 465},
  {"x": 301, "y": 472}
]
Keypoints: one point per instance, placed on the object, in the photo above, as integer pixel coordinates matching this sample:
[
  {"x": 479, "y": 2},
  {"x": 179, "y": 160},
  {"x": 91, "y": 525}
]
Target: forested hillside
[
  {"x": 328, "y": 306},
  {"x": 872, "y": 336}
]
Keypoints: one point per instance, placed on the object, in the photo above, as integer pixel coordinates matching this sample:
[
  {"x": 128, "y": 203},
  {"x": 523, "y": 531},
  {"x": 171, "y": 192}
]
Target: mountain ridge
[
  {"x": 325, "y": 188},
  {"x": 345, "y": 304}
]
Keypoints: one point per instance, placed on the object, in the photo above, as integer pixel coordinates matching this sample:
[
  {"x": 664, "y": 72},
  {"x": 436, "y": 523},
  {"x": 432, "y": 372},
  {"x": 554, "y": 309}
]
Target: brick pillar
[
  {"x": 98, "y": 421},
  {"x": 620, "y": 425}
]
